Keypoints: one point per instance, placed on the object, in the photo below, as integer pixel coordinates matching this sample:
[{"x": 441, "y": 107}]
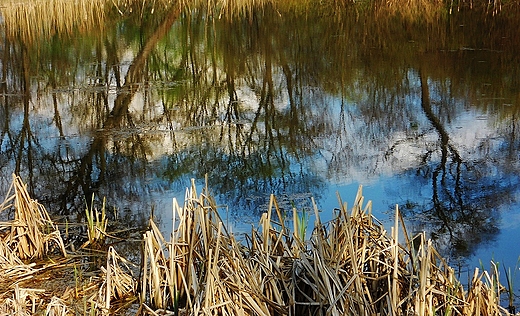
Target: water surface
[{"x": 422, "y": 113}]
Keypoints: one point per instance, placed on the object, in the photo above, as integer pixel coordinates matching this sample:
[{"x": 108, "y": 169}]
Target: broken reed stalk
[
  {"x": 30, "y": 235},
  {"x": 117, "y": 283},
  {"x": 164, "y": 274},
  {"x": 57, "y": 307}
]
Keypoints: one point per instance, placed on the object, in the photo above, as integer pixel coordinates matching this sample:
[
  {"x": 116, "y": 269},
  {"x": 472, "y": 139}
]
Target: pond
[{"x": 131, "y": 102}]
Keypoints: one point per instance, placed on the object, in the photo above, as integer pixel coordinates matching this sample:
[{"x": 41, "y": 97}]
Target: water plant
[
  {"x": 300, "y": 223},
  {"x": 96, "y": 225},
  {"x": 510, "y": 278}
]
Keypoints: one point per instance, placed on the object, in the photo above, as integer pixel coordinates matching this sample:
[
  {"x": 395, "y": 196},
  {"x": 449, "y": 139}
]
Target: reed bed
[
  {"x": 350, "y": 265},
  {"x": 35, "y": 20},
  {"x": 30, "y": 20},
  {"x": 25, "y": 240}
]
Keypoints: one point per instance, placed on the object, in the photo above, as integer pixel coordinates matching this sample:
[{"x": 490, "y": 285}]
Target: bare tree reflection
[
  {"x": 75, "y": 175},
  {"x": 279, "y": 103},
  {"x": 248, "y": 151},
  {"x": 461, "y": 216}
]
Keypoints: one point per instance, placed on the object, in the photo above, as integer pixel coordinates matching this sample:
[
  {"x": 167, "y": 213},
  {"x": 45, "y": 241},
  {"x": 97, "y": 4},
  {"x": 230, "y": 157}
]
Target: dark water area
[{"x": 423, "y": 114}]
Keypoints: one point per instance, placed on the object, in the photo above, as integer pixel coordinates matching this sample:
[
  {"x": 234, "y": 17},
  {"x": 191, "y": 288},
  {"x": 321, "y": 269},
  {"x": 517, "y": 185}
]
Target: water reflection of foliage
[
  {"x": 83, "y": 171},
  {"x": 255, "y": 146}
]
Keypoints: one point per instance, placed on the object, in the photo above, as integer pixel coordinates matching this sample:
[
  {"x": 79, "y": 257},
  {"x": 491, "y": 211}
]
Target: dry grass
[
  {"x": 37, "y": 275},
  {"x": 117, "y": 285},
  {"x": 31, "y": 234},
  {"x": 349, "y": 266},
  {"x": 34, "y": 20},
  {"x": 29, "y": 20}
]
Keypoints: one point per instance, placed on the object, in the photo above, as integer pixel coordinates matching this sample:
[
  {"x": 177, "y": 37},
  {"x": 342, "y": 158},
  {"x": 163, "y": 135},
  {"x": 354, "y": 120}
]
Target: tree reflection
[
  {"x": 275, "y": 102},
  {"x": 466, "y": 193},
  {"x": 251, "y": 150},
  {"x": 82, "y": 172}
]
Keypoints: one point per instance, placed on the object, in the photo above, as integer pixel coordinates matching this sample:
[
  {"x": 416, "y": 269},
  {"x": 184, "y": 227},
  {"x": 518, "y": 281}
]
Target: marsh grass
[
  {"x": 33, "y": 21},
  {"x": 349, "y": 265},
  {"x": 96, "y": 225},
  {"x": 31, "y": 234},
  {"x": 29, "y": 20}
]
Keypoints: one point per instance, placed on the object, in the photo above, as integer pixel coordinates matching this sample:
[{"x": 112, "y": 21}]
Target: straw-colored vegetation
[
  {"x": 349, "y": 266},
  {"x": 31, "y": 20},
  {"x": 31, "y": 234}
]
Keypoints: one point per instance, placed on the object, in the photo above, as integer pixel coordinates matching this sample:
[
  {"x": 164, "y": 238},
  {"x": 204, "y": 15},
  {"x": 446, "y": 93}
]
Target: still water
[{"x": 132, "y": 104}]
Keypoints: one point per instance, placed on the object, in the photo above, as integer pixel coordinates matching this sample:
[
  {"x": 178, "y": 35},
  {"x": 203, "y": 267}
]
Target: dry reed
[
  {"x": 29, "y": 236},
  {"x": 117, "y": 284},
  {"x": 30, "y": 20},
  {"x": 57, "y": 307},
  {"x": 34, "y": 20},
  {"x": 32, "y": 233},
  {"x": 349, "y": 266}
]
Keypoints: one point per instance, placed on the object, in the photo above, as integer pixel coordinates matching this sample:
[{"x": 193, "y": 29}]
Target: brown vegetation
[
  {"x": 350, "y": 265},
  {"x": 31, "y": 20}
]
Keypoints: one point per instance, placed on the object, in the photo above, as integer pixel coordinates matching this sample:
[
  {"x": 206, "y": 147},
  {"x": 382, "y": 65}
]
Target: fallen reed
[
  {"x": 350, "y": 265},
  {"x": 25, "y": 240},
  {"x": 32, "y": 233}
]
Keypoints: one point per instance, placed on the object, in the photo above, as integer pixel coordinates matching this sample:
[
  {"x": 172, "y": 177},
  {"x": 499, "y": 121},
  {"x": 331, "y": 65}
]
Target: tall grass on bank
[
  {"x": 39, "y": 20},
  {"x": 33, "y": 20},
  {"x": 348, "y": 266}
]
